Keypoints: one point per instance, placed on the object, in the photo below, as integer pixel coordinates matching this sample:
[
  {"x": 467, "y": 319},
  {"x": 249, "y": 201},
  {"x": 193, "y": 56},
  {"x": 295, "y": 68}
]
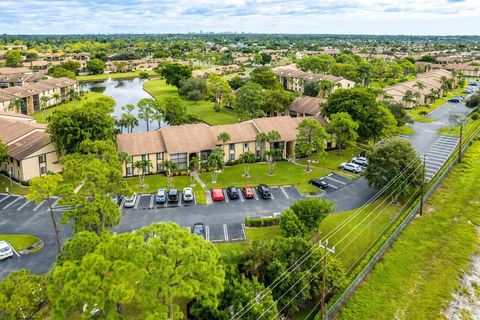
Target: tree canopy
[{"x": 174, "y": 73}]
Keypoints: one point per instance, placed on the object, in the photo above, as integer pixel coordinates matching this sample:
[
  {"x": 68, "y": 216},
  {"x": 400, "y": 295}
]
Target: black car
[
  {"x": 199, "y": 229},
  {"x": 319, "y": 183},
  {"x": 264, "y": 191},
  {"x": 173, "y": 195},
  {"x": 233, "y": 193}
]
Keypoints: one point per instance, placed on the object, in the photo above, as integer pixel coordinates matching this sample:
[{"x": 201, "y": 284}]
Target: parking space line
[
  {"x": 194, "y": 199},
  {"x": 137, "y": 200},
  {"x": 24, "y": 205},
  {"x": 436, "y": 156},
  {"x": 165, "y": 204},
  {"x": 225, "y": 232},
  {"x": 436, "y": 147},
  {"x": 243, "y": 232},
  {"x": 255, "y": 193},
  {"x": 179, "y": 199},
  {"x": 240, "y": 194},
  {"x": 271, "y": 196},
  {"x": 341, "y": 182},
  {"x": 39, "y": 205},
  {"x": 332, "y": 186},
  {"x": 284, "y": 193},
  {"x": 431, "y": 170},
  {"x": 434, "y": 161},
  {"x": 225, "y": 196},
  {"x": 207, "y": 233},
  {"x": 299, "y": 192},
  {"x": 447, "y": 143},
  {"x": 9, "y": 196},
  {"x": 11, "y": 203},
  {"x": 151, "y": 201}
]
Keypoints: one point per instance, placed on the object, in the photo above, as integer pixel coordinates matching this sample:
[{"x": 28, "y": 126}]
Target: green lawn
[
  {"x": 454, "y": 131},
  {"x": 117, "y": 75},
  {"x": 158, "y": 181},
  {"x": 14, "y": 189},
  {"x": 406, "y": 130},
  {"x": 203, "y": 109},
  {"x": 41, "y": 116},
  {"x": 285, "y": 173},
  {"x": 331, "y": 160},
  {"x": 19, "y": 241},
  {"x": 417, "y": 276}
]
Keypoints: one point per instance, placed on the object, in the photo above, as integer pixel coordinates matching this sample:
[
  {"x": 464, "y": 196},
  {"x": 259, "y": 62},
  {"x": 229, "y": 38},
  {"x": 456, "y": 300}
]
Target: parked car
[
  {"x": 173, "y": 195},
  {"x": 264, "y": 191},
  {"x": 467, "y": 91},
  {"x": 352, "y": 167},
  {"x": 454, "y": 100},
  {"x": 161, "y": 196},
  {"x": 5, "y": 250},
  {"x": 217, "y": 195},
  {"x": 319, "y": 183},
  {"x": 187, "y": 194},
  {"x": 199, "y": 229},
  {"x": 473, "y": 84},
  {"x": 361, "y": 161},
  {"x": 117, "y": 199},
  {"x": 232, "y": 193},
  {"x": 248, "y": 193},
  {"x": 130, "y": 201}
]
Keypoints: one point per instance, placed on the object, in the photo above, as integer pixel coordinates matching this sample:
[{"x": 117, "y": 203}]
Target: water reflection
[{"x": 124, "y": 92}]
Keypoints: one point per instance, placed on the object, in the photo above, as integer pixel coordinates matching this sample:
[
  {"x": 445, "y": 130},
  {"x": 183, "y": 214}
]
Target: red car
[
  {"x": 217, "y": 195},
  {"x": 248, "y": 193}
]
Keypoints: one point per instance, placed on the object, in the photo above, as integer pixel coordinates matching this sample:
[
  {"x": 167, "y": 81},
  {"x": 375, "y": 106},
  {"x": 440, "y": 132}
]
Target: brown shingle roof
[
  {"x": 28, "y": 145},
  {"x": 306, "y": 105},
  {"x": 141, "y": 142},
  {"x": 285, "y": 125},
  {"x": 14, "y": 129},
  {"x": 292, "y": 71},
  {"x": 239, "y": 132},
  {"x": 188, "y": 138}
]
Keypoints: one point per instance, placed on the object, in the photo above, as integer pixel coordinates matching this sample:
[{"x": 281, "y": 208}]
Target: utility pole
[
  {"x": 324, "y": 277},
  {"x": 422, "y": 185}
]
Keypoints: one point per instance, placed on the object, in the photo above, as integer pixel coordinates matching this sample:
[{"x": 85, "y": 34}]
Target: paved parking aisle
[
  {"x": 143, "y": 201},
  {"x": 292, "y": 192},
  {"x": 236, "y": 232},
  {"x": 335, "y": 182}
]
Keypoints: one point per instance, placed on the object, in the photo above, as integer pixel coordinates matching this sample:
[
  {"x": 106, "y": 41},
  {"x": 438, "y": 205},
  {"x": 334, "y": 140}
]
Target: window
[
  {"x": 232, "y": 146},
  {"x": 159, "y": 156},
  {"x": 245, "y": 147},
  {"x": 180, "y": 159},
  {"x": 146, "y": 169},
  {"x": 41, "y": 158},
  {"x": 144, "y": 156},
  {"x": 258, "y": 153},
  {"x": 232, "y": 156},
  {"x": 160, "y": 167},
  {"x": 129, "y": 170},
  {"x": 43, "y": 170}
]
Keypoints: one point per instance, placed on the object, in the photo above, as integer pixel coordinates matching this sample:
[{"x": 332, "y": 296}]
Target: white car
[
  {"x": 361, "y": 161},
  {"x": 130, "y": 201},
  {"x": 5, "y": 250},
  {"x": 352, "y": 167},
  {"x": 187, "y": 194}
]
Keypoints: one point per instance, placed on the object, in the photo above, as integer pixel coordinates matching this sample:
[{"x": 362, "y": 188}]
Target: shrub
[
  {"x": 262, "y": 222},
  {"x": 143, "y": 75}
]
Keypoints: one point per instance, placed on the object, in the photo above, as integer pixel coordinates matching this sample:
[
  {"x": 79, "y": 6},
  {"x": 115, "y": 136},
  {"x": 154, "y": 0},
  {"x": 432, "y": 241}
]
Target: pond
[{"x": 124, "y": 92}]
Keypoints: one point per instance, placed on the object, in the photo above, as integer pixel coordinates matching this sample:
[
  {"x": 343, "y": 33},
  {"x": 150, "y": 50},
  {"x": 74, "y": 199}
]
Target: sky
[{"x": 410, "y": 17}]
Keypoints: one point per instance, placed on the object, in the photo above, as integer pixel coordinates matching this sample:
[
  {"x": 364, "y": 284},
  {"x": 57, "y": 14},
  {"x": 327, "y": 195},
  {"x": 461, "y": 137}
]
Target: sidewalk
[{"x": 204, "y": 187}]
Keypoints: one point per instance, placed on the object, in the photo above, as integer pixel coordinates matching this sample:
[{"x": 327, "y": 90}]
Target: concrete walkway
[{"x": 204, "y": 187}]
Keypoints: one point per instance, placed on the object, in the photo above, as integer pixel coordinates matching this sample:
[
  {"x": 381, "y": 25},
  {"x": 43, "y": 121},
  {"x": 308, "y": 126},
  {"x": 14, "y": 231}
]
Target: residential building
[
  {"x": 305, "y": 106},
  {"x": 180, "y": 144},
  {"x": 30, "y": 150},
  {"x": 294, "y": 79},
  {"x": 31, "y": 94},
  {"x": 20, "y": 79}
]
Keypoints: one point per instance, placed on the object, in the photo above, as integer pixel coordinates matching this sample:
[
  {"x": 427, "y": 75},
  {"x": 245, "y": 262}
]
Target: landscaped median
[
  {"x": 21, "y": 241},
  {"x": 417, "y": 276}
]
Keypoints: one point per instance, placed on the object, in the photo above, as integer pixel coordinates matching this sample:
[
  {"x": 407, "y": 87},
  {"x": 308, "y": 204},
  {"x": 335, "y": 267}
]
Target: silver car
[
  {"x": 5, "y": 250},
  {"x": 187, "y": 194},
  {"x": 352, "y": 167},
  {"x": 130, "y": 201},
  {"x": 361, "y": 161}
]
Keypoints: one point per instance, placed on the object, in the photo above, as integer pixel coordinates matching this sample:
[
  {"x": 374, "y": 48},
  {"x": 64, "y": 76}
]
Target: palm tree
[
  {"x": 194, "y": 164},
  {"x": 215, "y": 162},
  {"x": 272, "y": 137},
  {"x": 72, "y": 93},
  {"x": 260, "y": 139},
  {"x": 128, "y": 108},
  {"x": 44, "y": 103},
  {"x": 272, "y": 156},
  {"x": 142, "y": 167},
  {"x": 129, "y": 121},
  {"x": 145, "y": 110},
  {"x": 420, "y": 85},
  {"x": 57, "y": 97},
  {"x": 417, "y": 96},
  {"x": 17, "y": 105},
  {"x": 246, "y": 158},
  {"x": 407, "y": 97},
  {"x": 159, "y": 111},
  {"x": 223, "y": 137},
  {"x": 169, "y": 168}
]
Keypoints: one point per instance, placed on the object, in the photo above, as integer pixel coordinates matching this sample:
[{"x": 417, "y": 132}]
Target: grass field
[
  {"x": 454, "y": 131},
  {"x": 19, "y": 241},
  {"x": 157, "y": 181},
  {"x": 203, "y": 109},
  {"x": 15, "y": 187},
  {"x": 331, "y": 160},
  {"x": 118, "y": 75},
  {"x": 406, "y": 130},
  {"x": 417, "y": 276},
  {"x": 285, "y": 173},
  {"x": 41, "y": 116}
]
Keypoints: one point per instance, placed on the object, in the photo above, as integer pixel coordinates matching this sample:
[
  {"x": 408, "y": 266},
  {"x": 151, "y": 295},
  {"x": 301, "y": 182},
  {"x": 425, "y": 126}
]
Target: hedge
[{"x": 262, "y": 222}]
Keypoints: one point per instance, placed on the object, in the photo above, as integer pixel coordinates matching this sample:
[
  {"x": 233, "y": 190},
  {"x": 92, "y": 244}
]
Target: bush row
[{"x": 262, "y": 222}]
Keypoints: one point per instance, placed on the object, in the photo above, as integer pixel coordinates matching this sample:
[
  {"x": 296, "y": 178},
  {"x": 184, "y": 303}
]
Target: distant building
[
  {"x": 30, "y": 150},
  {"x": 305, "y": 106},
  {"x": 294, "y": 79}
]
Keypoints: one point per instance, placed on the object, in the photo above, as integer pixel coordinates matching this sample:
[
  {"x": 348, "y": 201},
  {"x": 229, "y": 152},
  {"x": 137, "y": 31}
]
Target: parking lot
[
  {"x": 335, "y": 182},
  {"x": 226, "y": 232},
  {"x": 438, "y": 153}
]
